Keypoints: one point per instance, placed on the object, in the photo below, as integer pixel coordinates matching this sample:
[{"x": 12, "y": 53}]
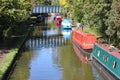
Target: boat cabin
[
  {"x": 109, "y": 57},
  {"x": 83, "y": 39},
  {"x": 66, "y": 23}
]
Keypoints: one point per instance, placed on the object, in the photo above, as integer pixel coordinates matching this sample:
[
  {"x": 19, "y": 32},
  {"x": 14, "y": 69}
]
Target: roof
[
  {"x": 111, "y": 49},
  {"x": 66, "y": 20}
]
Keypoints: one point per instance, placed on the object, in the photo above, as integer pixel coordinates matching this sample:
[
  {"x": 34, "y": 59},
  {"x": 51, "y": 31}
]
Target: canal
[{"x": 51, "y": 56}]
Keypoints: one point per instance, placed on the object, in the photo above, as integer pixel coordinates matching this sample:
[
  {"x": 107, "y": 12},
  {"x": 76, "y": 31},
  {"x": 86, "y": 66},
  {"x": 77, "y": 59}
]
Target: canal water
[{"x": 51, "y": 56}]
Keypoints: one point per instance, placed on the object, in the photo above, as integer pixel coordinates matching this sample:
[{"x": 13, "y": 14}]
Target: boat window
[
  {"x": 98, "y": 54},
  {"x": 114, "y": 64},
  {"x": 103, "y": 57},
  {"x": 106, "y": 59}
]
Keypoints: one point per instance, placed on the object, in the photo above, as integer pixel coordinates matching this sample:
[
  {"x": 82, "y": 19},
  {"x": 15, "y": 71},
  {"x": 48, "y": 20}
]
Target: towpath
[{"x": 4, "y": 52}]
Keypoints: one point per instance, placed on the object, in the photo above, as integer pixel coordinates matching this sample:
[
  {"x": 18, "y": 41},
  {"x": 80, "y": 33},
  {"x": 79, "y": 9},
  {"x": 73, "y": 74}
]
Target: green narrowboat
[{"x": 107, "y": 58}]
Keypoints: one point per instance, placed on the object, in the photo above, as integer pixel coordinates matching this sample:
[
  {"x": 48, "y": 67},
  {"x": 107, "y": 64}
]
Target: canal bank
[{"x": 11, "y": 57}]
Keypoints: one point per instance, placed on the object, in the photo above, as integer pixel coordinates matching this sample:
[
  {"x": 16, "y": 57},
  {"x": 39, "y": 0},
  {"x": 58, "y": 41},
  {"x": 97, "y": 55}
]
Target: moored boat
[
  {"x": 107, "y": 59},
  {"x": 82, "y": 44},
  {"x": 66, "y": 24},
  {"x": 58, "y": 21},
  {"x": 83, "y": 39}
]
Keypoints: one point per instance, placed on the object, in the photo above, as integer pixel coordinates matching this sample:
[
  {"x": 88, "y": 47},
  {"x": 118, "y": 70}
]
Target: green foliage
[
  {"x": 100, "y": 15},
  {"x": 13, "y": 52},
  {"x": 46, "y": 2},
  {"x": 42, "y": 2},
  {"x": 13, "y": 12},
  {"x": 87, "y": 11},
  {"x": 55, "y": 2},
  {"x": 113, "y": 22},
  {"x": 6, "y": 63}
]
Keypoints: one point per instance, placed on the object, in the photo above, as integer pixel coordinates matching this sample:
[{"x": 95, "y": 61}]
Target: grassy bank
[
  {"x": 18, "y": 42},
  {"x": 92, "y": 31}
]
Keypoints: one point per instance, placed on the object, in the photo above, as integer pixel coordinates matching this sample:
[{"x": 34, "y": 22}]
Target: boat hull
[
  {"x": 83, "y": 55},
  {"x": 103, "y": 70},
  {"x": 105, "y": 61}
]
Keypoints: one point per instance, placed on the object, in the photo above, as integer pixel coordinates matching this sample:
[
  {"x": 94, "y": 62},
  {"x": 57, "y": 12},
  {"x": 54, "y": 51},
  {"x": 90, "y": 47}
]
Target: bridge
[{"x": 47, "y": 9}]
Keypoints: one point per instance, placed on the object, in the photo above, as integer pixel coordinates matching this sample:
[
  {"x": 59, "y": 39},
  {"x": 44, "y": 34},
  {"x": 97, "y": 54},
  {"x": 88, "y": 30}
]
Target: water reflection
[
  {"x": 43, "y": 66},
  {"x": 51, "y": 57},
  {"x": 98, "y": 76},
  {"x": 73, "y": 68},
  {"x": 66, "y": 33},
  {"x": 22, "y": 69},
  {"x": 57, "y": 63},
  {"x": 46, "y": 42},
  {"x": 50, "y": 32}
]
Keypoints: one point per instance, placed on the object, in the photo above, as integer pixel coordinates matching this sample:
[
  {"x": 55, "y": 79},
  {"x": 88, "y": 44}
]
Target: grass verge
[
  {"x": 11, "y": 55},
  {"x": 92, "y": 31}
]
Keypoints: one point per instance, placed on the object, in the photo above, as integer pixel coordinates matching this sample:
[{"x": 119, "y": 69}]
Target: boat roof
[
  {"x": 80, "y": 31},
  {"x": 67, "y": 20},
  {"x": 111, "y": 49}
]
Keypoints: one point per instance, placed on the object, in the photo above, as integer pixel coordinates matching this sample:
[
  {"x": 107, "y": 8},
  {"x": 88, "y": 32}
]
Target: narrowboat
[
  {"x": 66, "y": 24},
  {"x": 83, "y": 39},
  {"x": 107, "y": 59},
  {"x": 82, "y": 44}
]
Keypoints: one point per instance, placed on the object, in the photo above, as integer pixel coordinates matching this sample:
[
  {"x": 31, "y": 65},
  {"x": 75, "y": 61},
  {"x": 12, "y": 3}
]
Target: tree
[
  {"x": 55, "y": 2},
  {"x": 113, "y": 22},
  {"x": 13, "y": 12},
  {"x": 100, "y": 15},
  {"x": 42, "y": 2}
]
